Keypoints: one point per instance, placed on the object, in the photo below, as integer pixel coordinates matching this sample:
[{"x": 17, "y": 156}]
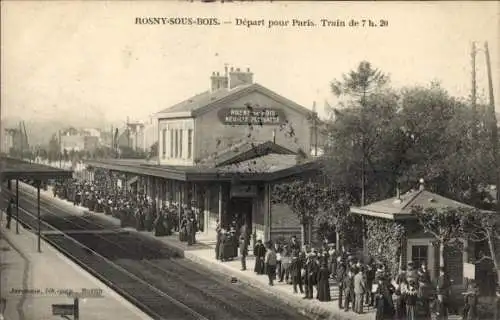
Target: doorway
[
  {"x": 241, "y": 212},
  {"x": 421, "y": 250}
]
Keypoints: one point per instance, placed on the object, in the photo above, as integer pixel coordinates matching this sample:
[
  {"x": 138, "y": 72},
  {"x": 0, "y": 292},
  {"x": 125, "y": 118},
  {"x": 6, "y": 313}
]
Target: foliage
[
  {"x": 303, "y": 197},
  {"x": 444, "y": 225},
  {"x": 153, "y": 151},
  {"x": 477, "y": 226},
  {"x": 383, "y": 242},
  {"x": 130, "y": 153},
  {"x": 412, "y": 133},
  {"x": 359, "y": 82}
]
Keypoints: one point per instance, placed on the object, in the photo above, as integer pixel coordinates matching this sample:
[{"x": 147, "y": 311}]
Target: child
[
  {"x": 397, "y": 299},
  {"x": 411, "y": 301}
]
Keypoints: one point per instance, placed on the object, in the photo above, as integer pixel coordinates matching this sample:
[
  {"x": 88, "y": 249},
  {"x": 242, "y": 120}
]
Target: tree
[
  {"x": 53, "y": 148},
  {"x": 357, "y": 87},
  {"x": 153, "y": 151},
  {"x": 334, "y": 211},
  {"x": 443, "y": 225},
  {"x": 478, "y": 226},
  {"x": 304, "y": 199}
]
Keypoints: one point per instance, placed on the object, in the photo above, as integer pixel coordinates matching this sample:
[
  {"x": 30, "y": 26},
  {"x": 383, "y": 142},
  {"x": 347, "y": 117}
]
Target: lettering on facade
[{"x": 251, "y": 116}]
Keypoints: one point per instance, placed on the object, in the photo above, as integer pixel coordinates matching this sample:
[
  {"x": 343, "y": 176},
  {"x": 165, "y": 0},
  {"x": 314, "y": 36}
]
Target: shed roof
[
  {"x": 401, "y": 208},
  {"x": 243, "y": 151}
]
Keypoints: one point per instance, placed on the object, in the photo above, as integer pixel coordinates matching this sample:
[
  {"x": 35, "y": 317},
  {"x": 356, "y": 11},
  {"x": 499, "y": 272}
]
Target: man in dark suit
[
  {"x": 294, "y": 245},
  {"x": 443, "y": 287},
  {"x": 259, "y": 252},
  {"x": 10, "y": 207},
  {"x": 340, "y": 276},
  {"x": 296, "y": 273},
  {"x": 311, "y": 276},
  {"x": 348, "y": 290},
  {"x": 243, "y": 252}
]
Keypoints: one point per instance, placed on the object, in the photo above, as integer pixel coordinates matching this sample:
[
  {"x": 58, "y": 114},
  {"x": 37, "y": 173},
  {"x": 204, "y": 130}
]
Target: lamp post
[
  {"x": 17, "y": 206},
  {"x": 38, "y": 215}
]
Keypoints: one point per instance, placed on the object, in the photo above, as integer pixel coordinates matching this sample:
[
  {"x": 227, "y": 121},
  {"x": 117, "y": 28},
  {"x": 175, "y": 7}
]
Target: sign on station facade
[{"x": 253, "y": 116}]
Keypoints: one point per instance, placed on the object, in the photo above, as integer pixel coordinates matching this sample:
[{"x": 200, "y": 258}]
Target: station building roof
[
  {"x": 12, "y": 168},
  {"x": 203, "y": 102}
]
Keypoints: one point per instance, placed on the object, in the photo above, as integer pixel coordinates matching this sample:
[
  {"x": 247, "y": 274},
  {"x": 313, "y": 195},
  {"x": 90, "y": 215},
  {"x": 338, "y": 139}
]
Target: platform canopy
[
  {"x": 269, "y": 168},
  {"x": 11, "y": 168}
]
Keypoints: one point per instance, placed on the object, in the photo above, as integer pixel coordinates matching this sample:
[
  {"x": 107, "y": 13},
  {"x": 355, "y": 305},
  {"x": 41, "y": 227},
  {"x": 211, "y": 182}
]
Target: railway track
[{"x": 124, "y": 259}]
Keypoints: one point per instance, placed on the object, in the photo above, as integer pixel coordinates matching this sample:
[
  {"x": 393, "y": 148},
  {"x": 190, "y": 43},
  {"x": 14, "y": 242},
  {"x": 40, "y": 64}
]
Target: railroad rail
[{"x": 121, "y": 259}]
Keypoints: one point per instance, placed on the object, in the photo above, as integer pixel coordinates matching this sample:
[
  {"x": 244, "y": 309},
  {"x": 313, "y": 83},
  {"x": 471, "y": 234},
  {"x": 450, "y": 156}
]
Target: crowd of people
[
  {"x": 134, "y": 209},
  {"x": 309, "y": 271},
  {"x": 408, "y": 295}
]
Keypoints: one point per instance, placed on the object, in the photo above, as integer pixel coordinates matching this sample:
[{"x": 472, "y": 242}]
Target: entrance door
[
  {"x": 241, "y": 211},
  {"x": 421, "y": 250}
]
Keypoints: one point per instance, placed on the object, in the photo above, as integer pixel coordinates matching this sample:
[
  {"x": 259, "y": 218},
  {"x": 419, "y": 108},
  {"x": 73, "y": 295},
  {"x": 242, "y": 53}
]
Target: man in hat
[
  {"x": 271, "y": 262},
  {"x": 311, "y": 274},
  {"x": 9, "y": 212},
  {"x": 294, "y": 244},
  {"x": 340, "y": 276},
  {"x": 348, "y": 287},
  {"x": 243, "y": 252},
  {"x": 442, "y": 291},
  {"x": 359, "y": 290},
  {"x": 296, "y": 273},
  {"x": 259, "y": 251}
]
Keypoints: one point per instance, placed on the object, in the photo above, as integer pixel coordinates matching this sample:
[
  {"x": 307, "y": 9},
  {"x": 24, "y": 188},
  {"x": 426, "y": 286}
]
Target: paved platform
[
  {"x": 31, "y": 282},
  {"x": 203, "y": 253}
]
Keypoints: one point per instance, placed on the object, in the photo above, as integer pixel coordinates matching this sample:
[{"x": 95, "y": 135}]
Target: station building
[{"x": 222, "y": 150}]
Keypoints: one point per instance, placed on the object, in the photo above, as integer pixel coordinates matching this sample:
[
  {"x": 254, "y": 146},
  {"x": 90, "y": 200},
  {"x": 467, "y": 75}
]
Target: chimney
[
  {"x": 421, "y": 187},
  {"x": 218, "y": 81},
  {"x": 238, "y": 77}
]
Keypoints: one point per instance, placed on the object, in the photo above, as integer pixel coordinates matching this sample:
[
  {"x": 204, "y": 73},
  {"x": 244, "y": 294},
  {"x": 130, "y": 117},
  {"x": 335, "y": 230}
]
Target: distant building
[
  {"x": 14, "y": 140},
  {"x": 79, "y": 140},
  {"x": 139, "y": 136}
]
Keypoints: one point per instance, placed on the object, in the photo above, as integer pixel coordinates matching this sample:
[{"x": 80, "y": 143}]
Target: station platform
[
  {"x": 31, "y": 282},
  {"x": 203, "y": 253}
]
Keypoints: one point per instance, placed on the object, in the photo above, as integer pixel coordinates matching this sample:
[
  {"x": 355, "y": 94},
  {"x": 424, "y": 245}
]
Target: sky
[{"x": 91, "y": 59}]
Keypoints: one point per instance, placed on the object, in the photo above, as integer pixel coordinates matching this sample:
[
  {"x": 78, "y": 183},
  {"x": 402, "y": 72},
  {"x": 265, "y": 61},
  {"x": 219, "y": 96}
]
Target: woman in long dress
[
  {"x": 383, "y": 300},
  {"x": 324, "y": 283}
]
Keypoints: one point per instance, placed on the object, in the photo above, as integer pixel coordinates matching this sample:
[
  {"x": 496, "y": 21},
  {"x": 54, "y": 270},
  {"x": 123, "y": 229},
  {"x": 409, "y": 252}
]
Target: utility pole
[
  {"x": 60, "y": 149},
  {"x": 474, "y": 127},
  {"x": 21, "y": 141},
  {"x": 494, "y": 125},
  {"x": 473, "y": 93},
  {"x": 128, "y": 132},
  {"x": 315, "y": 128},
  {"x": 496, "y": 164}
]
